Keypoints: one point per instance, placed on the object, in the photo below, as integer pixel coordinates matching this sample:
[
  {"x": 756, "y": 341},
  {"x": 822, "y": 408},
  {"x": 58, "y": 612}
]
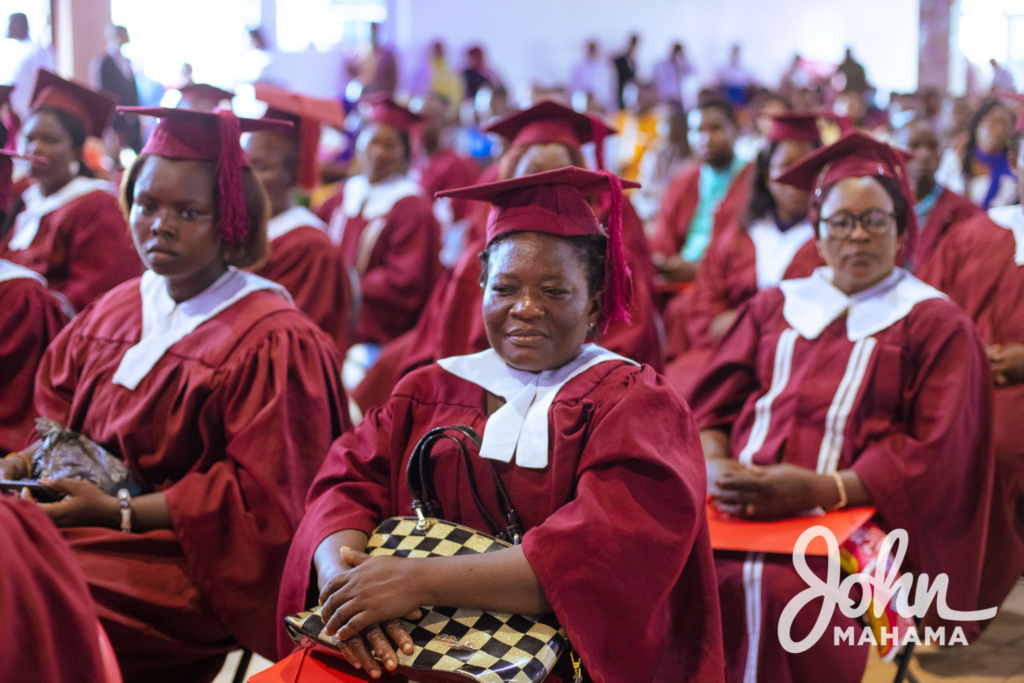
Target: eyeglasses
[{"x": 874, "y": 221}]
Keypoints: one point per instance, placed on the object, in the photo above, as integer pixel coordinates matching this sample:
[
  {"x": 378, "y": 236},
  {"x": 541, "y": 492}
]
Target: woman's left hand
[
  {"x": 765, "y": 491},
  {"x": 1007, "y": 362},
  {"x": 376, "y": 590},
  {"x": 84, "y": 504}
]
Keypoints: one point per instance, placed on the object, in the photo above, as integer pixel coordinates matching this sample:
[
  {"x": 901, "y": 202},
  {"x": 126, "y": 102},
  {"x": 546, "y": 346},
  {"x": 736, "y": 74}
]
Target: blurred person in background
[
  {"x": 376, "y": 66},
  {"x": 638, "y": 127},
  {"x": 20, "y": 59},
  {"x": 626, "y": 68},
  {"x": 980, "y": 168},
  {"x": 1002, "y": 78},
  {"x": 662, "y": 161},
  {"x": 852, "y": 73},
  {"x": 734, "y": 79},
  {"x": 593, "y": 76},
  {"x": 766, "y": 106},
  {"x": 670, "y": 74},
  {"x": 113, "y": 72},
  {"x": 478, "y": 74}
]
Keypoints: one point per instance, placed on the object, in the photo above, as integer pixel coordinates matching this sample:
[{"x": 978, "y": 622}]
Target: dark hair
[
  {"x": 590, "y": 249},
  {"x": 901, "y": 206},
  {"x": 761, "y": 201},
  {"x": 722, "y": 106},
  {"x": 403, "y": 137},
  {"x": 972, "y": 134},
  {"x": 510, "y": 159},
  {"x": 257, "y": 211}
]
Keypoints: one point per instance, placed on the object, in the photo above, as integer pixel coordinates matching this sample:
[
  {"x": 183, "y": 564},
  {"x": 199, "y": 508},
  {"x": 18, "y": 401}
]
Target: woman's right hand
[{"x": 14, "y": 467}]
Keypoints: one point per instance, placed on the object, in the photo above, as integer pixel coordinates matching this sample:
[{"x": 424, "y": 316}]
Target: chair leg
[
  {"x": 243, "y": 667},
  {"x": 903, "y": 665}
]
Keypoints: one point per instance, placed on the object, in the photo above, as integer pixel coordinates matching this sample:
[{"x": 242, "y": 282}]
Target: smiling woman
[{"x": 558, "y": 422}]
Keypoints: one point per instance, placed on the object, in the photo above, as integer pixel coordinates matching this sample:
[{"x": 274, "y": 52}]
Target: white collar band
[
  {"x": 26, "y": 225},
  {"x": 813, "y": 303},
  {"x": 520, "y": 427},
  {"x": 1011, "y": 218},
  {"x": 295, "y": 217}
]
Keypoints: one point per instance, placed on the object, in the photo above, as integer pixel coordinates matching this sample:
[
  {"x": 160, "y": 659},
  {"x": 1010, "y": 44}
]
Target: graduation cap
[
  {"x": 384, "y": 109},
  {"x": 209, "y": 136},
  {"x": 855, "y": 155},
  {"x": 549, "y": 121},
  {"x": 202, "y": 97},
  {"x": 306, "y": 114},
  {"x": 94, "y": 110},
  {"x": 798, "y": 127},
  {"x": 554, "y": 203}
]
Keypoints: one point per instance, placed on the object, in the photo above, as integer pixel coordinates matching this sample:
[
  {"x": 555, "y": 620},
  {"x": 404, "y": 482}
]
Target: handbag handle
[{"x": 419, "y": 476}]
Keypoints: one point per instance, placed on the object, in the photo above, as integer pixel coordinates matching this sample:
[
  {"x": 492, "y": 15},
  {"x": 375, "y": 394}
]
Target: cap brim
[
  {"x": 587, "y": 182},
  {"x": 246, "y": 125}
]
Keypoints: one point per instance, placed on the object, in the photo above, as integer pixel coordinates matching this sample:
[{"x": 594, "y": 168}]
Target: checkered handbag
[{"x": 463, "y": 644}]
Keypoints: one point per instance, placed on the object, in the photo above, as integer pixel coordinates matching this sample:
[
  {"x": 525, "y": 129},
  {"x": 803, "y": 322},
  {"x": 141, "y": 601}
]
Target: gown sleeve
[
  {"x": 731, "y": 376},
  {"x": 678, "y": 205},
  {"x": 49, "y": 621},
  {"x": 101, "y": 255},
  {"x": 355, "y": 489},
  {"x": 394, "y": 293},
  {"x": 933, "y": 475},
  {"x": 266, "y": 429},
  {"x": 709, "y": 297},
  {"x": 633, "y": 543}
]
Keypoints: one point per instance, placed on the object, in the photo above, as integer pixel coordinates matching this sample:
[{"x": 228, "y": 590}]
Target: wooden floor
[{"x": 997, "y": 657}]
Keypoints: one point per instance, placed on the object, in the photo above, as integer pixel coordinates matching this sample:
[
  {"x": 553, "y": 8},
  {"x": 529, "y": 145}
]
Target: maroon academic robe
[
  {"x": 447, "y": 170},
  {"x": 949, "y": 208},
  {"x": 615, "y": 522},
  {"x": 305, "y": 262},
  {"x": 975, "y": 265},
  {"x": 397, "y": 269},
  {"x": 49, "y": 622},
  {"x": 679, "y": 204},
  {"x": 30, "y": 317},
  {"x": 726, "y": 278},
  {"x": 83, "y": 249},
  {"x": 231, "y": 424},
  {"x": 452, "y": 322},
  {"x": 917, "y": 406}
]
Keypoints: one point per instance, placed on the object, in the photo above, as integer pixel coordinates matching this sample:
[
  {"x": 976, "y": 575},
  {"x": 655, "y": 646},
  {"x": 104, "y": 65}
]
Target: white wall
[{"x": 538, "y": 41}]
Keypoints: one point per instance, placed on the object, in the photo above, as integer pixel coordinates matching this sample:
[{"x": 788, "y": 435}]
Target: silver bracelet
[{"x": 124, "y": 501}]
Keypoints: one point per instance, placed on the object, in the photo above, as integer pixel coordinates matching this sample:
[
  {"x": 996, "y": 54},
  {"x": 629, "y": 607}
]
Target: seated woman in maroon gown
[
  {"x": 220, "y": 396},
  {"x": 67, "y": 226},
  {"x": 616, "y": 542},
  {"x": 859, "y": 385},
  {"x": 771, "y": 242}
]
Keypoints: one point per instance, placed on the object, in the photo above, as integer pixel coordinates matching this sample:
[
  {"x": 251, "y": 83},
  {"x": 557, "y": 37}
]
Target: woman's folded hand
[{"x": 784, "y": 490}]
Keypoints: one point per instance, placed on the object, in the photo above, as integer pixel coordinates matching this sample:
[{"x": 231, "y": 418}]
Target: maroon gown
[
  {"x": 616, "y": 531},
  {"x": 726, "y": 278},
  {"x": 83, "y": 249},
  {"x": 231, "y": 424},
  {"x": 49, "y": 622},
  {"x": 30, "y": 317},
  {"x": 908, "y": 407},
  {"x": 396, "y": 256},
  {"x": 977, "y": 265},
  {"x": 304, "y": 261}
]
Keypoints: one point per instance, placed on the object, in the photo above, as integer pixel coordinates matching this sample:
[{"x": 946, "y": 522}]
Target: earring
[{"x": 74, "y": 167}]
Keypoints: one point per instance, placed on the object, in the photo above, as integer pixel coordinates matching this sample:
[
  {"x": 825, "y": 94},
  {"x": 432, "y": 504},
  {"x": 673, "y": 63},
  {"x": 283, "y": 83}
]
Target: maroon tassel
[
  {"x": 229, "y": 179},
  {"x": 618, "y": 282},
  {"x": 599, "y": 132}
]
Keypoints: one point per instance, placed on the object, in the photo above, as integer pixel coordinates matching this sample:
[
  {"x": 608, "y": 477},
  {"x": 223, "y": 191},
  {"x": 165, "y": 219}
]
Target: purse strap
[{"x": 419, "y": 475}]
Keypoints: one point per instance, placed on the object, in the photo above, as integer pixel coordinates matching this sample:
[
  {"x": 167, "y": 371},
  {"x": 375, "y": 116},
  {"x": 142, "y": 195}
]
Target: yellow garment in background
[{"x": 636, "y": 134}]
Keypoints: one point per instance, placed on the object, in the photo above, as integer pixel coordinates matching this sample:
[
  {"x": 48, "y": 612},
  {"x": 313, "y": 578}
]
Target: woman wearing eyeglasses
[{"x": 859, "y": 385}]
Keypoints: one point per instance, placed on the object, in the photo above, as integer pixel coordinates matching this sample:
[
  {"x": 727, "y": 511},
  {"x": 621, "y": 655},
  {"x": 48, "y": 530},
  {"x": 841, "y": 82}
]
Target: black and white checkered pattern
[{"x": 485, "y": 646}]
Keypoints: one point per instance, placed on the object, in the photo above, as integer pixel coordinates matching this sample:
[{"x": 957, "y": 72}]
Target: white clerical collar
[
  {"x": 165, "y": 322},
  {"x": 26, "y": 225},
  {"x": 295, "y": 217},
  {"x": 813, "y": 303},
  {"x": 12, "y": 271},
  {"x": 1011, "y": 218},
  {"x": 520, "y": 427},
  {"x": 376, "y": 201},
  {"x": 775, "y": 249}
]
